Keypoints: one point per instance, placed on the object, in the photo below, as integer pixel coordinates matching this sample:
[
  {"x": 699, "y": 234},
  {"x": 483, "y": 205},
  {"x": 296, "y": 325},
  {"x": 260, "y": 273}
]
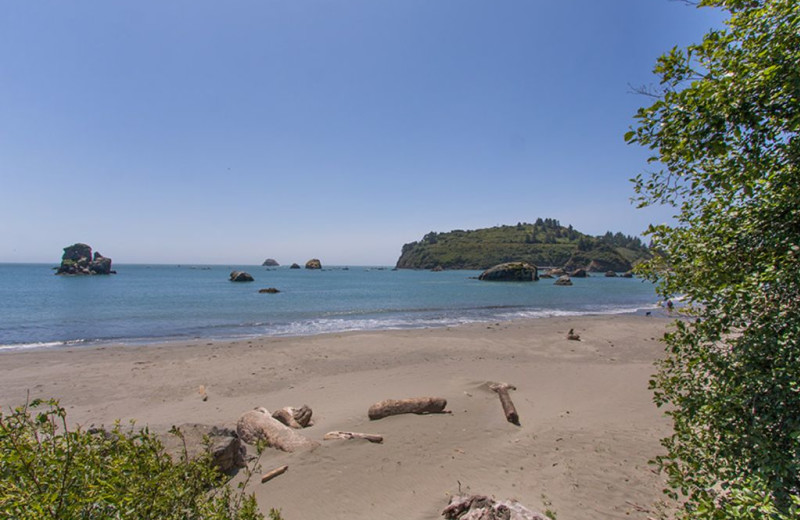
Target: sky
[{"x": 198, "y": 131}]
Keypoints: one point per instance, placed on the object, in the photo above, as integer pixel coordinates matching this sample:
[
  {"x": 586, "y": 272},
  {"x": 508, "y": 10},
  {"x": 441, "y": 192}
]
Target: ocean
[{"x": 162, "y": 303}]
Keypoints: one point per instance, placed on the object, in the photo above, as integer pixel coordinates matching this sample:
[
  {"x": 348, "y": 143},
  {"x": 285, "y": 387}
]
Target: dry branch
[
  {"x": 353, "y": 435},
  {"x": 505, "y": 399},
  {"x": 274, "y": 473},
  {"x": 418, "y": 405}
]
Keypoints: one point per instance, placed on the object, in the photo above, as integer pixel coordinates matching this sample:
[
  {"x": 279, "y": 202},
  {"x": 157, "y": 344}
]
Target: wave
[
  {"x": 345, "y": 322},
  {"x": 43, "y": 344}
]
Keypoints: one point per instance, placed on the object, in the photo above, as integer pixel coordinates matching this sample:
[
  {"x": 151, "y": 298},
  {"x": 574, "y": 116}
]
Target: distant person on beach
[{"x": 670, "y": 305}]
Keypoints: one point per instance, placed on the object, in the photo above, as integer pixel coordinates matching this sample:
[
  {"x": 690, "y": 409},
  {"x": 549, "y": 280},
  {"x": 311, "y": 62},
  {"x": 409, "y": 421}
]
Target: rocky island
[
  {"x": 543, "y": 243},
  {"x": 78, "y": 260}
]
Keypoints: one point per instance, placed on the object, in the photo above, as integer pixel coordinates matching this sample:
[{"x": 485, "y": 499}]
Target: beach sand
[{"x": 588, "y": 423}]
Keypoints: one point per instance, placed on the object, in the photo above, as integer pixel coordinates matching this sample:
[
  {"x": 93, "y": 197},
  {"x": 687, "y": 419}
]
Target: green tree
[{"x": 723, "y": 131}]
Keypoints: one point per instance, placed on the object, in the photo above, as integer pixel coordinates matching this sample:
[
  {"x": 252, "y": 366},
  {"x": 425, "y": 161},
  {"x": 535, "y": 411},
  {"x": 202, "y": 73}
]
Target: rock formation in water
[
  {"x": 241, "y": 276},
  {"x": 511, "y": 272},
  {"x": 77, "y": 259},
  {"x": 313, "y": 264},
  {"x": 270, "y": 262}
]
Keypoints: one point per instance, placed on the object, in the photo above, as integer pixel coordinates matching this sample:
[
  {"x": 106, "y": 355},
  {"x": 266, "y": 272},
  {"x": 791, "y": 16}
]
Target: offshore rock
[
  {"x": 313, "y": 264},
  {"x": 270, "y": 262},
  {"x": 100, "y": 264},
  {"x": 511, "y": 272},
  {"x": 294, "y": 266},
  {"x": 77, "y": 259},
  {"x": 563, "y": 280},
  {"x": 241, "y": 276}
]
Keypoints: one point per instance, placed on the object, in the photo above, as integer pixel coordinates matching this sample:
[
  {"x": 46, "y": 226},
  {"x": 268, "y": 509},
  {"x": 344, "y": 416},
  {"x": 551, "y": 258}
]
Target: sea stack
[{"x": 78, "y": 260}]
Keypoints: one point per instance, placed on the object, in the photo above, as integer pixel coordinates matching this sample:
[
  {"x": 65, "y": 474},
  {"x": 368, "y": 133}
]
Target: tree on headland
[{"x": 723, "y": 133}]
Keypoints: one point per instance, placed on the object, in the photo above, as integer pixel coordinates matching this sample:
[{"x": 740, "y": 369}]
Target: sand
[{"x": 587, "y": 422}]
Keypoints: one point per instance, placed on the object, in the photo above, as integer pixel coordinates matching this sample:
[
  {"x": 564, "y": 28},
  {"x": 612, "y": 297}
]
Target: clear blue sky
[{"x": 195, "y": 131}]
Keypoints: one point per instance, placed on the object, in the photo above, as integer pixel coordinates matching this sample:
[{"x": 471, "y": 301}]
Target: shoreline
[
  {"x": 588, "y": 424},
  {"x": 655, "y": 309}
]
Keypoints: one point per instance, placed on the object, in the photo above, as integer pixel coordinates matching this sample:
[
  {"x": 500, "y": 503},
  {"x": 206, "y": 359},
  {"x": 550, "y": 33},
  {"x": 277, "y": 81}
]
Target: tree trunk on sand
[
  {"x": 505, "y": 399},
  {"x": 418, "y": 405},
  {"x": 478, "y": 507},
  {"x": 258, "y": 425},
  {"x": 296, "y": 418}
]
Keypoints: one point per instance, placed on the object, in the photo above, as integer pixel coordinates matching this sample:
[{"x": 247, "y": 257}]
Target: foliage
[
  {"x": 48, "y": 471},
  {"x": 724, "y": 135},
  {"x": 544, "y": 243}
]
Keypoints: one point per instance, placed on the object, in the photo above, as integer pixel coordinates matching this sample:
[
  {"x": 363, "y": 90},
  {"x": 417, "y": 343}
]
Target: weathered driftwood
[
  {"x": 258, "y": 425},
  {"x": 508, "y": 406},
  {"x": 418, "y": 405},
  {"x": 479, "y": 507},
  {"x": 296, "y": 418},
  {"x": 274, "y": 473},
  {"x": 353, "y": 435}
]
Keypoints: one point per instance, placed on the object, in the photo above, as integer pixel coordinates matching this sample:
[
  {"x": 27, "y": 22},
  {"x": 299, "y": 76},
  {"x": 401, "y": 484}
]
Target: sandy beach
[{"x": 587, "y": 422}]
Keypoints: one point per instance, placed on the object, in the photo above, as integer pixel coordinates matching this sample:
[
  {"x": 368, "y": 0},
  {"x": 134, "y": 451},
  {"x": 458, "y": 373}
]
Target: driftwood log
[
  {"x": 269, "y": 475},
  {"x": 478, "y": 507},
  {"x": 296, "y": 418},
  {"x": 508, "y": 406},
  {"x": 418, "y": 405},
  {"x": 353, "y": 435},
  {"x": 258, "y": 425}
]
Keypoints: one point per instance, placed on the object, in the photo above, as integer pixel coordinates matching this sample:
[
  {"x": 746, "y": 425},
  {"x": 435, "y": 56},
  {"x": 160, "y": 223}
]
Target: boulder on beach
[
  {"x": 78, "y": 259},
  {"x": 511, "y": 272},
  {"x": 313, "y": 264},
  {"x": 227, "y": 451},
  {"x": 241, "y": 276},
  {"x": 270, "y": 262}
]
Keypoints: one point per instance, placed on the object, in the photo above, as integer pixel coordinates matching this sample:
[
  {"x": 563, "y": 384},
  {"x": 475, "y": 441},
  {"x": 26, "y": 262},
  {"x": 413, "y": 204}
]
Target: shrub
[{"x": 49, "y": 471}]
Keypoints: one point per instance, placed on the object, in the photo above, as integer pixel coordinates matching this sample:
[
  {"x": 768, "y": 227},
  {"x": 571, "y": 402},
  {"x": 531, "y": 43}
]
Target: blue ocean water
[{"x": 155, "y": 303}]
